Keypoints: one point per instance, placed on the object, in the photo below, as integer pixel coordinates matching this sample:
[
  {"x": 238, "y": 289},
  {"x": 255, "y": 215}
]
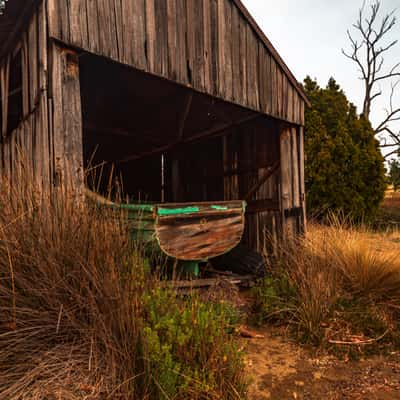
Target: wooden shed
[{"x": 186, "y": 99}]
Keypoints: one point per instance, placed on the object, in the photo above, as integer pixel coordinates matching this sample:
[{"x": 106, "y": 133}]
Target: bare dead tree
[{"x": 368, "y": 48}]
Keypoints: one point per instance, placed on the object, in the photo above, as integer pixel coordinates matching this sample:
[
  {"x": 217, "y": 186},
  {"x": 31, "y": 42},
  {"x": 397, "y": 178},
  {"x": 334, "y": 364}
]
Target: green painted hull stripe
[
  {"x": 176, "y": 211},
  {"x": 220, "y": 208}
]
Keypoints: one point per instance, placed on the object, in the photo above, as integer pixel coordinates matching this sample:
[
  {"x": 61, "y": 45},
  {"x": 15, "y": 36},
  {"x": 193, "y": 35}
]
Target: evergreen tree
[
  {"x": 394, "y": 174},
  {"x": 344, "y": 166}
]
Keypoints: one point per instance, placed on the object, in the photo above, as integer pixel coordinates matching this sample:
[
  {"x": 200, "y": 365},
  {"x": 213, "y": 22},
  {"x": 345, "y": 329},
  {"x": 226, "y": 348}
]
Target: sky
[{"x": 310, "y": 36}]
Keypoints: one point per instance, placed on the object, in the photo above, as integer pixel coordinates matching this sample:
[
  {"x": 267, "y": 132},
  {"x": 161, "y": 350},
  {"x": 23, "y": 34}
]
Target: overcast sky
[{"x": 309, "y": 35}]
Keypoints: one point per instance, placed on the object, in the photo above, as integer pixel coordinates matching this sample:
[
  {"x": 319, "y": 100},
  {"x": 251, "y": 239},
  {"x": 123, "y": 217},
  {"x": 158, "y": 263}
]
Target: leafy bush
[
  {"x": 188, "y": 347},
  {"x": 273, "y": 298}
]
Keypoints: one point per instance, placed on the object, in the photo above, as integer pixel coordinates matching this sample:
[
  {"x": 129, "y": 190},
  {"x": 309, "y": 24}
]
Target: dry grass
[
  {"x": 81, "y": 318},
  {"x": 69, "y": 302},
  {"x": 389, "y": 216},
  {"x": 343, "y": 281},
  {"x": 365, "y": 263}
]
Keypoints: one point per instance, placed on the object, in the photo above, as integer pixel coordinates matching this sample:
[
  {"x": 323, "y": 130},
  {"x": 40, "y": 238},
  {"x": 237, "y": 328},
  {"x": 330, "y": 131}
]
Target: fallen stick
[{"x": 358, "y": 342}]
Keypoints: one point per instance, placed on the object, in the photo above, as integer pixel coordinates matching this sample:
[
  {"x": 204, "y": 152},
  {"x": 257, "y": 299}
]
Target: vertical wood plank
[
  {"x": 228, "y": 44},
  {"x": 182, "y": 57},
  {"x": 119, "y": 33},
  {"x": 78, "y": 23},
  {"x": 243, "y": 60},
  {"x": 53, "y": 15},
  {"x": 5, "y": 79},
  {"x": 301, "y": 157},
  {"x": 25, "y": 75},
  {"x": 67, "y": 119},
  {"x": 235, "y": 32},
  {"x": 127, "y": 47},
  {"x": 191, "y": 41},
  {"x": 199, "y": 64},
  {"x": 161, "y": 41},
  {"x": 93, "y": 26},
  {"x": 33, "y": 62},
  {"x": 106, "y": 29},
  {"x": 295, "y": 169},
  {"x": 214, "y": 48},
  {"x": 221, "y": 48},
  {"x": 173, "y": 63},
  {"x": 207, "y": 45},
  {"x": 286, "y": 176},
  {"x": 151, "y": 35}
]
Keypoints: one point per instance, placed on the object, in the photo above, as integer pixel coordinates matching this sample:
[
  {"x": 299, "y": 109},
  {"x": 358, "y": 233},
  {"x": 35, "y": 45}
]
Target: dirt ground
[{"x": 281, "y": 370}]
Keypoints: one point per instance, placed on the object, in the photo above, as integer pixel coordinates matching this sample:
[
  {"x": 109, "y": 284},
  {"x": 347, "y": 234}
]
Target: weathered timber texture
[
  {"x": 46, "y": 143},
  {"x": 209, "y": 45},
  {"x": 292, "y": 181},
  {"x": 201, "y": 235}
]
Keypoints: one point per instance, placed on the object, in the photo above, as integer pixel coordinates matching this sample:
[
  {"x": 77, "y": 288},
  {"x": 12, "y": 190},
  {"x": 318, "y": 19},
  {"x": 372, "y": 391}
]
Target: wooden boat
[{"x": 188, "y": 231}]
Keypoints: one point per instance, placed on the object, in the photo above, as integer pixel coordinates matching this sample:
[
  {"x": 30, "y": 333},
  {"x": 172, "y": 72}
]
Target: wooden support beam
[
  {"x": 185, "y": 114},
  {"x": 67, "y": 120},
  {"x": 262, "y": 180},
  {"x": 4, "y": 85},
  {"x": 218, "y": 130}
]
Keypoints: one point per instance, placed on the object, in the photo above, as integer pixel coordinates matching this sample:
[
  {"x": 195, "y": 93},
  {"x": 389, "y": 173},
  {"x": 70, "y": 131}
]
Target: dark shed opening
[{"x": 169, "y": 143}]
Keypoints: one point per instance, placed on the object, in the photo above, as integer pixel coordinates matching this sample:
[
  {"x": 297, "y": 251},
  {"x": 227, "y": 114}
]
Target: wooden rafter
[{"x": 218, "y": 130}]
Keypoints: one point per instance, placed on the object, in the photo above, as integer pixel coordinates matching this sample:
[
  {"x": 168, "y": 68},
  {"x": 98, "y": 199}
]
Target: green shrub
[
  {"x": 274, "y": 298},
  {"x": 188, "y": 346}
]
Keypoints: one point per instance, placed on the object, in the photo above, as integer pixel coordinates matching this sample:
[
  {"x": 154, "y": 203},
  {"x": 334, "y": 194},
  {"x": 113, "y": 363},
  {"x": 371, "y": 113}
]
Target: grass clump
[
  {"x": 81, "y": 317},
  {"x": 344, "y": 287}
]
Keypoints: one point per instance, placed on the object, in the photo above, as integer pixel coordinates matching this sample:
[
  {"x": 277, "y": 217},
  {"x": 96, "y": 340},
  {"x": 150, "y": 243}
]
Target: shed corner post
[
  {"x": 67, "y": 121},
  {"x": 300, "y": 138}
]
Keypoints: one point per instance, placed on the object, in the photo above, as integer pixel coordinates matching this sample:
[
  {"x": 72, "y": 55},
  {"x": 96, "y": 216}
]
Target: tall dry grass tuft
[
  {"x": 339, "y": 271},
  {"x": 366, "y": 264},
  {"x": 79, "y": 314},
  {"x": 69, "y": 301}
]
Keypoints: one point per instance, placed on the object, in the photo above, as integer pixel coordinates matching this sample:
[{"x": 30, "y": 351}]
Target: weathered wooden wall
[
  {"x": 252, "y": 172},
  {"x": 29, "y": 146},
  {"x": 260, "y": 162},
  {"x": 205, "y": 44},
  {"x": 47, "y": 143},
  {"x": 292, "y": 189}
]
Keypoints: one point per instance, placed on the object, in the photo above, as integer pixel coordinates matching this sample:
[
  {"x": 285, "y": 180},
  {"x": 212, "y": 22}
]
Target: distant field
[
  {"x": 389, "y": 216},
  {"x": 392, "y": 200}
]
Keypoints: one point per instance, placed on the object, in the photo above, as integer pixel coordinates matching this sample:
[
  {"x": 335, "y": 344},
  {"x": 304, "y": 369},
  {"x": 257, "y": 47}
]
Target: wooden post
[
  {"x": 286, "y": 179},
  {"x": 300, "y": 137},
  {"x": 67, "y": 120},
  {"x": 4, "y": 78}
]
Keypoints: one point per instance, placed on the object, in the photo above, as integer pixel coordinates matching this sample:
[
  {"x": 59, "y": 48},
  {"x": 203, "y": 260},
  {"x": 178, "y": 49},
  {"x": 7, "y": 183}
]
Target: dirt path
[{"x": 281, "y": 370}]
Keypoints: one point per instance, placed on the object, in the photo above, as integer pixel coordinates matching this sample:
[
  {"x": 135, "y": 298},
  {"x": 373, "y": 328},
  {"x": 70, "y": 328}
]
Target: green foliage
[
  {"x": 189, "y": 350},
  {"x": 344, "y": 166},
  {"x": 274, "y": 298},
  {"x": 394, "y": 174}
]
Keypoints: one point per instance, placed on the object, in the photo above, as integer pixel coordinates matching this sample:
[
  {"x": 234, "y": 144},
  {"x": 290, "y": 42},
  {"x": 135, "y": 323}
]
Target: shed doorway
[{"x": 166, "y": 143}]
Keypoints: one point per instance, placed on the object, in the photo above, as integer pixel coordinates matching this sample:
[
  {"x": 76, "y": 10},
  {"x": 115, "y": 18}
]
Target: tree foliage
[
  {"x": 344, "y": 168},
  {"x": 394, "y": 174}
]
